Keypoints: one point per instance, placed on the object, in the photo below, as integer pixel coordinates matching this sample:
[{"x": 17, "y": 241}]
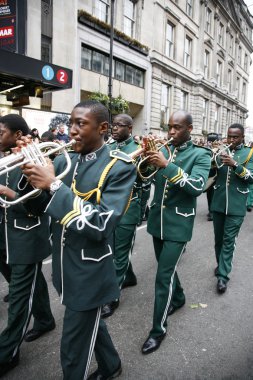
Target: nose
[{"x": 72, "y": 130}]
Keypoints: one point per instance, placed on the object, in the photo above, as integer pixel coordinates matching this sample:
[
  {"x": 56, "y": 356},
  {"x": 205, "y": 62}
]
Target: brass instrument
[
  {"x": 35, "y": 154},
  {"x": 154, "y": 145},
  {"x": 223, "y": 149}
]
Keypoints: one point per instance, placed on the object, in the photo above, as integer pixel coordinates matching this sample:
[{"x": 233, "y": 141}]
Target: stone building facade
[{"x": 168, "y": 55}]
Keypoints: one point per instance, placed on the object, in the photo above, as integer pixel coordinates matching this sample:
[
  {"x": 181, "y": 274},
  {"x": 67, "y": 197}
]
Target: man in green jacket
[
  {"x": 124, "y": 235},
  {"x": 234, "y": 175},
  {"x": 172, "y": 211},
  {"x": 24, "y": 237},
  {"x": 85, "y": 208}
]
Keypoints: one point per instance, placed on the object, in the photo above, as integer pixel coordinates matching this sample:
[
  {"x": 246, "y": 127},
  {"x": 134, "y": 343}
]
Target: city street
[{"x": 211, "y": 337}]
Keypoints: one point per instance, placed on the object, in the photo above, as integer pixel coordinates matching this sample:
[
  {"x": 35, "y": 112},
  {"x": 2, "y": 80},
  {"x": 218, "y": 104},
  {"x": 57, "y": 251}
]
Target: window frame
[{"x": 167, "y": 41}]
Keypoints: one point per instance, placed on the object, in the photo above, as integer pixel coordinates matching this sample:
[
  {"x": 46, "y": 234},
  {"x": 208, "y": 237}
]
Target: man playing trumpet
[
  {"x": 25, "y": 237},
  {"x": 172, "y": 211},
  {"x": 234, "y": 174}
]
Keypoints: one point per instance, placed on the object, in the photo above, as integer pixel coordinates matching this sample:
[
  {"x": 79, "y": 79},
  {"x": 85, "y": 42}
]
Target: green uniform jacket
[
  {"x": 83, "y": 270},
  {"x": 24, "y": 235},
  {"x": 132, "y": 216},
  {"x": 173, "y": 208},
  {"x": 232, "y": 185}
]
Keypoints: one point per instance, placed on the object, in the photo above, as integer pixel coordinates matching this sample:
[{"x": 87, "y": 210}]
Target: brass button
[{"x": 164, "y": 206}]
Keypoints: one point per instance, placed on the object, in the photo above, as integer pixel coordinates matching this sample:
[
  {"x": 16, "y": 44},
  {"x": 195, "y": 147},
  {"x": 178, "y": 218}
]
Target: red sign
[
  {"x": 8, "y": 9},
  {"x": 62, "y": 76},
  {"x": 7, "y": 32}
]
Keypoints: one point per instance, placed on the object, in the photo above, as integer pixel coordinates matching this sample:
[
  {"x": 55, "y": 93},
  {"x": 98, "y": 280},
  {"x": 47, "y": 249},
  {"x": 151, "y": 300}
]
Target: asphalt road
[{"x": 214, "y": 341}]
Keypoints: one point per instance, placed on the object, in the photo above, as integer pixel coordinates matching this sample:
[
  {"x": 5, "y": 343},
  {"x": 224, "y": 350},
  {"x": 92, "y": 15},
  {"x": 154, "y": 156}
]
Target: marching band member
[
  {"x": 85, "y": 208},
  {"x": 124, "y": 235},
  {"x": 171, "y": 217},
  {"x": 25, "y": 238},
  {"x": 234, "y": 174}
]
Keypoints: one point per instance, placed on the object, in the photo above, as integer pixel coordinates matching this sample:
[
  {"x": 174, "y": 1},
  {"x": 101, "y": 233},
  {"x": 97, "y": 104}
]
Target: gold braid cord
[
  {"x": 129, "y": 201},
  {"x": 86, "y": 196},
  {"x": 249, "y": 156}
]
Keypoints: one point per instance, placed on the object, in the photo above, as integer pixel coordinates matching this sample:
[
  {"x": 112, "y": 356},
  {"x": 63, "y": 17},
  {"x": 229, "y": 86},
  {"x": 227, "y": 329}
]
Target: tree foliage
[
  {"x": 61, "y": 118},
  {"x": 118, "y": 105}
]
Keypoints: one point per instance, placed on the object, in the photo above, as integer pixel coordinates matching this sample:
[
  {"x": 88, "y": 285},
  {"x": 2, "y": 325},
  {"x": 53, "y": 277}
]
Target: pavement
[{"x": 211, "y": 337}]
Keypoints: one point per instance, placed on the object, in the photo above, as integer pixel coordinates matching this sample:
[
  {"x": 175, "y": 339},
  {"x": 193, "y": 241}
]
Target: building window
[
  {"x": 239, "y": 55},
  {"x": 246, "y": 62},
  {"x": 217, "y": 115},
  {"x": 231, "y": 45},
  {"x": 189, "y": 7},
  {"x": 238, "y": 87},
  {"x": 205, "y": 114},
  {"x": 98, "y": 62},
  {"x": 228, "y": 120},
  {"x": 129, "y": 18},
  {"x": 219, "y": 73},
  {"x": 165, "y": 104},
  {"x": 101, "y": 10},
  {"x": 244, "y": 92},
  {"x": 184, "y": 100},
  {"x": 170, "y": 29},
  {"x": 206, "y": 63},
  {"x": 46, "y": 49},
  {"x": 221, "y": 34},
  {"x": 187, "y": 52},
  {"x": 208, "y": 20},
  {"x": 229, "y": 80}
]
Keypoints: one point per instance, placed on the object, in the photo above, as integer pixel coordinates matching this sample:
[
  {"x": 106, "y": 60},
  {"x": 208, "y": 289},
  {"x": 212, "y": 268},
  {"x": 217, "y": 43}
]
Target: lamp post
[{"x": 111, "y": 61}]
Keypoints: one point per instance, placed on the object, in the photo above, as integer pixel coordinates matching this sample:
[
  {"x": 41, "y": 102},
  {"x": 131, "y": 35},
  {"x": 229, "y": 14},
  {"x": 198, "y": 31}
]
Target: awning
[{"x": 22, "y": 75}]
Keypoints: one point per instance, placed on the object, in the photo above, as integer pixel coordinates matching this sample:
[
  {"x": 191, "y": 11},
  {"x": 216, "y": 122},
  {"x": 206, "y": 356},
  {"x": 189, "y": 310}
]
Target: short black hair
[
  {"x": 127, "y": 118},
  {"x": 98, "y": 109},
  {"x": 48, "y": 135},
  {"x": 15, "y": 123},
  {"x": 186, "y": 115},
  {"x": 238, "y": 126}
]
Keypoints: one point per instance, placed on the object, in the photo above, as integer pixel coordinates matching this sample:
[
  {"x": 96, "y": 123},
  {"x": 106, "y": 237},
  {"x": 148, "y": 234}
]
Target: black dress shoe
[
  {"x": 6, "y": 298},
  {"x": 221, "y": 286},
  {"x": 173, "y": 308},
  {"x": 98, "y": 376},
  {"x": 6, "y": 367},
  {"x": 249, "y": 209},
  {"x": 109, "y": 308},
  {"x": 35, "y": 334},
  {"x": 152, "y": 344},
  {"x": 128, "y": 283}
]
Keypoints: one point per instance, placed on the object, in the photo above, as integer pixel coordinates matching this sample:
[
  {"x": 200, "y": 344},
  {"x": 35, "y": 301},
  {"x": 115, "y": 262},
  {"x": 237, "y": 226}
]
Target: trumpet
[
  {"x": 222, "y": 150},
  {"x": 35, "y": 154},
  {"x": 154, "y": 145}
]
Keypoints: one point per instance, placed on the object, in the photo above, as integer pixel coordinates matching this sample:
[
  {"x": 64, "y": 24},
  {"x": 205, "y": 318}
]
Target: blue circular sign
[{"x": 47, "y": 72}]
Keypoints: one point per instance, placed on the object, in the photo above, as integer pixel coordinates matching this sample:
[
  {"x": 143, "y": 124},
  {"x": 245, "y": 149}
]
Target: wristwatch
[
  {"x": 55, "y": 186},
  {"x": 235, "y": 165}
]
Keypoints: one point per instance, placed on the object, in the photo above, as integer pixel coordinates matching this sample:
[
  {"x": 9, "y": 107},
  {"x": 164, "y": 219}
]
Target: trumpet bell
[
  {"x": 36, "y": 154},
  {"x": 156, "y": 146}
]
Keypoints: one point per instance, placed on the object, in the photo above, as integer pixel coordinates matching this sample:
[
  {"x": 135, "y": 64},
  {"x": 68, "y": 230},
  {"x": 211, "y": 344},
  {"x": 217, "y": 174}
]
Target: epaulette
[
  {"x": 203, "y": 147},
  {"x": 120, "y": 155}
]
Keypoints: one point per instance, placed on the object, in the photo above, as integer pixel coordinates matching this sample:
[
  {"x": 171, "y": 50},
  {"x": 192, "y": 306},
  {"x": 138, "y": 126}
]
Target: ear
[
  {"x": 103, "y": 128},
  {"x": 18, "y": 135},
  {"x": 130, "y": 129},
  {"x": 190, "y": 128}
]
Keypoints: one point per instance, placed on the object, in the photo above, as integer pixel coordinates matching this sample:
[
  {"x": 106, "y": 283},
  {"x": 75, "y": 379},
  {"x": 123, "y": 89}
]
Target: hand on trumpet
[
  {"x": 227, "y": 160},
  {"x": 156, "y": 157},
  {"x": 39, "y": 176},
  {"x": 7, "y": 192}
]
